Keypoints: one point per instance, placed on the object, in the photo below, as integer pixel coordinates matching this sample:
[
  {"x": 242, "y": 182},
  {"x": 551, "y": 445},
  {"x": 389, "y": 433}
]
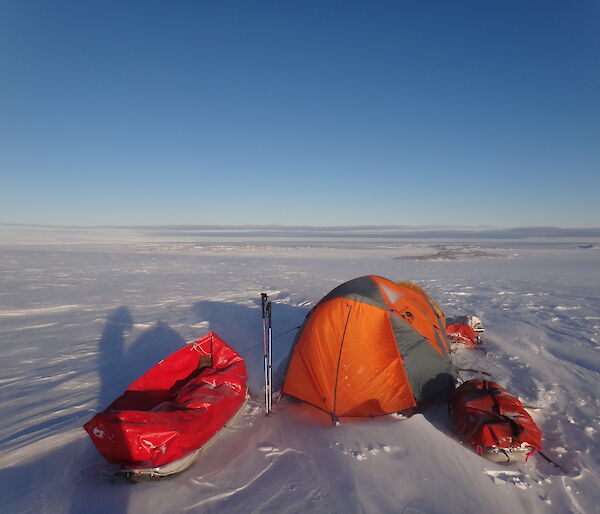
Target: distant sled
[
  {"x": 464, "y": 330},
  {"x": 160, "y": 424},
  {"x": 461, "y": 333}
]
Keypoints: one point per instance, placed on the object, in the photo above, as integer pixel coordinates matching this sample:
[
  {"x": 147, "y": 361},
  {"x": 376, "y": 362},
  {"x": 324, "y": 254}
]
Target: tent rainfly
[{"x": 371, "y": 347}]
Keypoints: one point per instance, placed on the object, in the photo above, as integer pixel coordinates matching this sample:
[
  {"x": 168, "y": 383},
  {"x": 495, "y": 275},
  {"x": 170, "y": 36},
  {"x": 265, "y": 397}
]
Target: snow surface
[{"x": 80, "y": 321}]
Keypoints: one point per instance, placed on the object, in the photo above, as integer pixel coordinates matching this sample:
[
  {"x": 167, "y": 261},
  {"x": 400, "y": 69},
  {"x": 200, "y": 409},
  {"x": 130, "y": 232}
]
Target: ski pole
[
  {"x": 270, "y": 358},
  {"x": 264, "y": 298}
]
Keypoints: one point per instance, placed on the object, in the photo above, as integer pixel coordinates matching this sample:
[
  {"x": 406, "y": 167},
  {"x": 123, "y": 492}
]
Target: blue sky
[{"x": 300, "y": 113}]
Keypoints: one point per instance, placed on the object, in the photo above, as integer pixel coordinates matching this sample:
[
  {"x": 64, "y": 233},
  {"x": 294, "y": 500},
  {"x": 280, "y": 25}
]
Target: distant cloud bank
[{"x": 46, "y": 233}]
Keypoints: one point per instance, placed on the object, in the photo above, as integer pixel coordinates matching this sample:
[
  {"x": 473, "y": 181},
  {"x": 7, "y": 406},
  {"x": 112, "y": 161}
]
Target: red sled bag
[
  {"x": 494, "y": 422},
  {"x": 161, "y": 422},
  {"x": 461, "y": 333}
]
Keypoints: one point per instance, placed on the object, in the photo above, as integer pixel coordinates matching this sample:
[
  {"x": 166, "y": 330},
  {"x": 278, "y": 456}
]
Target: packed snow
[{"x": 81, "y": 317}]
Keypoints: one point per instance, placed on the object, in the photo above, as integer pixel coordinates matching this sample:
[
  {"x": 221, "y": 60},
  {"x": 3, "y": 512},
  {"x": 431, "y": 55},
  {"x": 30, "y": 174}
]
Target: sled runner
[
  {"x": 159, "y": 425},
  {"x": 493, "y": 422}
]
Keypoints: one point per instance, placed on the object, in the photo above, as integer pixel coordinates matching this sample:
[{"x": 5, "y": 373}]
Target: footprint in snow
[
  {"x": 365, "y": 451},
  {"x": 268, "y": 448},
  {"x": 417, "y": 507},
  {"x": 273, "y": 451},
  {"x": 508, "y": 477}
]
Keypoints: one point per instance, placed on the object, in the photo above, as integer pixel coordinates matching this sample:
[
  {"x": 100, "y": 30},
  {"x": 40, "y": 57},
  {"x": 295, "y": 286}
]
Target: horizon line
[
  {"x": 339, "y": 231},
  {"x": 273, "y": 226}
]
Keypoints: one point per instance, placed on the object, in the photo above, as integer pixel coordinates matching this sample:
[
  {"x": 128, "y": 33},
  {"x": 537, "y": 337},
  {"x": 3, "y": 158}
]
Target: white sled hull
[
  {"x": 177, "y": 466},
  {"x": 504, "y": 455}
]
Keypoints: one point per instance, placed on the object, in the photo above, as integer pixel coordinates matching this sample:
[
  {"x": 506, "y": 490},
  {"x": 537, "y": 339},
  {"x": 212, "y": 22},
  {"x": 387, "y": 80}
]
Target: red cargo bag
[
  {"x": 174, "y": 408},
  {"x": 461, "y": 333},
  {"x": 494, "y": 422}
]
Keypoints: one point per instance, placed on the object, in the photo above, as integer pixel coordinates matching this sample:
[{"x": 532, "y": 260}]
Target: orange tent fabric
[{"x": 371, "y": 347}]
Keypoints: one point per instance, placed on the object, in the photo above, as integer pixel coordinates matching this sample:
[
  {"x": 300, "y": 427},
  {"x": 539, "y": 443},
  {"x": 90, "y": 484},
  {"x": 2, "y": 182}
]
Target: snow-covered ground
[{"x": 80, "y": 320}]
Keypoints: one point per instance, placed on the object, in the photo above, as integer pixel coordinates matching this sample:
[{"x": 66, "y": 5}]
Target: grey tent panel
[
  {"x": 361, "y": 289},
  {"x": 428, "y": 373}
]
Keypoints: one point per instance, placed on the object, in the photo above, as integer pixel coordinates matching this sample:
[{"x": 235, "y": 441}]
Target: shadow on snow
[{"x": 240, "y": 326}]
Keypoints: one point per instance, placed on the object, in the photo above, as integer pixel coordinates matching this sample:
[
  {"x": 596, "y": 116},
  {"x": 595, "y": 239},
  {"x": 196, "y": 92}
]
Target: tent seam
[{"x": 337, "y": 370}]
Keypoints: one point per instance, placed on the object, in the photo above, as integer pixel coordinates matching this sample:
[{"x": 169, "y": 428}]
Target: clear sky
[{"x": 300, "y": 112}]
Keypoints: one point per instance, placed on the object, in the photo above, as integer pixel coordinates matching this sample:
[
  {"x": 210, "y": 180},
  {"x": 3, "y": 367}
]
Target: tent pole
[{"x": 269, "y": 358}]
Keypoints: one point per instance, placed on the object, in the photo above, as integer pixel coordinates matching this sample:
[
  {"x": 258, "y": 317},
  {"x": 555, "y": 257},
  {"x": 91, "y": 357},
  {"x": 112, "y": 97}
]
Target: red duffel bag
[{"x": 494, "y": 422}]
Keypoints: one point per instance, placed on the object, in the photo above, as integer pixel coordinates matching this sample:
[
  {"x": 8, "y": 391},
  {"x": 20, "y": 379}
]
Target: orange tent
[{"x": 371, "y": 347}]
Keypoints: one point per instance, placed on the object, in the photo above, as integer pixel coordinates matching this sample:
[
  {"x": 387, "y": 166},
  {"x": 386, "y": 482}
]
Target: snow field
[{"x": 77, "y": 325}]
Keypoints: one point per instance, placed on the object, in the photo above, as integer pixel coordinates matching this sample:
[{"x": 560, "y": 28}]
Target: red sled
[
  {"x": 159, "y": 425},
  {"x": 493, "y": 422},
  {"x": 461, "y": 333}
]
